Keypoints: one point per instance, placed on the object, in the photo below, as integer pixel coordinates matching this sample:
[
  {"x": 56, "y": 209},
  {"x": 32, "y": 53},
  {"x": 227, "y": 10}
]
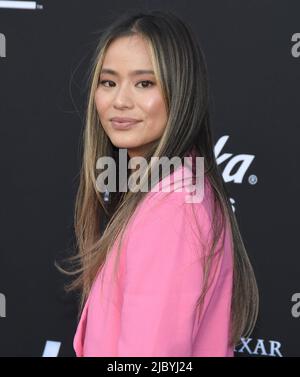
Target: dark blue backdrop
[{"x": 253, "y": 54}]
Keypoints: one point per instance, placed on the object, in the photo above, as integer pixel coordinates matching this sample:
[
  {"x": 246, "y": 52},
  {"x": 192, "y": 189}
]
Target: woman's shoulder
[
  {"x": 166, "y": 223},
  {"x": 175, "y": 196}
]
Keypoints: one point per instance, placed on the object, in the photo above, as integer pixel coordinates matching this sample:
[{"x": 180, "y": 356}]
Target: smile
[{"x": 123, "y": 125}]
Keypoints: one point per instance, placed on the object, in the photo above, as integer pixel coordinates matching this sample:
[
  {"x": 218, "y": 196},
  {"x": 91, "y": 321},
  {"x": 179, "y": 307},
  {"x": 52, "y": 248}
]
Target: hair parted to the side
[{"x": 181, "y": 73}]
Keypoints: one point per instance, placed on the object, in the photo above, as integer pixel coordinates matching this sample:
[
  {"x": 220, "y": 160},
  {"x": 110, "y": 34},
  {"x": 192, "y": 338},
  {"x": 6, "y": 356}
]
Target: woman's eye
[
  {"x": 144, "y": 81},
  {"x": 104, "y": 81}
]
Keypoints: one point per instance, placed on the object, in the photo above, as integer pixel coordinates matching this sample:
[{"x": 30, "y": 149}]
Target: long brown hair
[{"x": 181, "y": 72}]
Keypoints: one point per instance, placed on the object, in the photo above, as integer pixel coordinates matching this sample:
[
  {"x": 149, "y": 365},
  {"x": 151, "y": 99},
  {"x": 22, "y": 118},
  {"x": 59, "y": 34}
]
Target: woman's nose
[{"x": 123, "y": 97}]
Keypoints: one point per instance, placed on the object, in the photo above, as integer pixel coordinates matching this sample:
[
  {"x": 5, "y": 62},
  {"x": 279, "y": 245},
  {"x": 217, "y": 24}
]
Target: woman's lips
[{"x": 123, "y": 125}]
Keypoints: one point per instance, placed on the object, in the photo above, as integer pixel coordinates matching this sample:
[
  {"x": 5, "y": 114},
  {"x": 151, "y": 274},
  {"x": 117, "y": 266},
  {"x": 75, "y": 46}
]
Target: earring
[{"x": 106, "y": 196}]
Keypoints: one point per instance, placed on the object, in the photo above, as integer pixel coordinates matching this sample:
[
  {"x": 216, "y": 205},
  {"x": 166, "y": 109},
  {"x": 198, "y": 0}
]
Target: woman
[{"x": 165, "y": 277}]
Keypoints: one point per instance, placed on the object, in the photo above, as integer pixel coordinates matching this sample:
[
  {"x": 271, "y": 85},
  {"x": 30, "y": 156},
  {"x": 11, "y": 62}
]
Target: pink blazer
[{"x": 149, "y": 310}]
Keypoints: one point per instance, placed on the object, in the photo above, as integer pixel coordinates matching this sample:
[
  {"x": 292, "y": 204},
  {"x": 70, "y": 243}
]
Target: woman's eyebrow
[{"x": 132, "y": 73}]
